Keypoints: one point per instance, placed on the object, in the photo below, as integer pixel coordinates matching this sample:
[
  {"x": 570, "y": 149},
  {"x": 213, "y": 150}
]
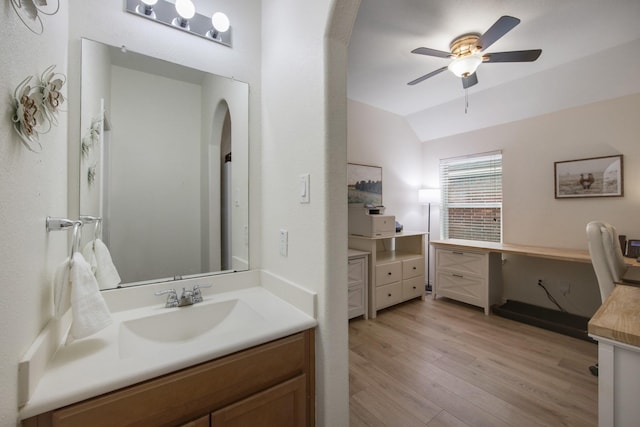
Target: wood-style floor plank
[{"x": 441, "y": 363}]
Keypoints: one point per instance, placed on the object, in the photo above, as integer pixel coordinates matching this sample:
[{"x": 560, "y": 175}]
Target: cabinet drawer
[
  {"x": 413, "y": 287},
  {"x": 469, "y": 289},
  {"x": 462, "y": 262},
  {"x": 356, "y": 271},
  {"x": 388, "y": 273},
  {"x": 180, "y": 396},
  {"x": 412, "y": 268},
  {"x": 388, "y": 295},
  {"x": 356, "y": 301}
]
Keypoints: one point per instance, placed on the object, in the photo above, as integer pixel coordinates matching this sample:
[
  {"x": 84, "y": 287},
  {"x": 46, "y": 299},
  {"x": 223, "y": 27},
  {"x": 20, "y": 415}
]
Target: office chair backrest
[
  {"x": 614, "y": 252},
  {"x": 596, "y": 231}
]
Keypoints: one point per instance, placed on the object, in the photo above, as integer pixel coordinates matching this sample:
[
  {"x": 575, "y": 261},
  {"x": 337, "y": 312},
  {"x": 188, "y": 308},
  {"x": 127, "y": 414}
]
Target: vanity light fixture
[
  {"x": 146, "y": 8},
  {"x": 182, "y": 15},
  {"x": 186, "y": 10}
]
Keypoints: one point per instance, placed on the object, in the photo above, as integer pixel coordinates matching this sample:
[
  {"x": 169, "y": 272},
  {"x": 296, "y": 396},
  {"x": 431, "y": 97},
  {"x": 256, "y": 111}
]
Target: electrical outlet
[{"x": 284, "y": 242}]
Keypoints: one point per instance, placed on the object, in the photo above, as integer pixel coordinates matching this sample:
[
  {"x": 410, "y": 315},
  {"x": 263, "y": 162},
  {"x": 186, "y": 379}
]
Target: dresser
[
  {"x": 358, "y": 283},
  {"x": 472, "y": 277},
  {"x": 396, "y": 268}
]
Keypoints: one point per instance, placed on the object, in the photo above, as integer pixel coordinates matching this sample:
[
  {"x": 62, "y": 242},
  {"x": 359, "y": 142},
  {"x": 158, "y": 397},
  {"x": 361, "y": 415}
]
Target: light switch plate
[{"x": 304, "y": 186}]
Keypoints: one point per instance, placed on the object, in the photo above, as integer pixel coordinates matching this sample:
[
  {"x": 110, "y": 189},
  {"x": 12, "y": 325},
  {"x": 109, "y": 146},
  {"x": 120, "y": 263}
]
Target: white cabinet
[
  {"x": 358, "y": 283},
  {"x": 469, "y": 277},
  {"x": 396, "y": 270}
]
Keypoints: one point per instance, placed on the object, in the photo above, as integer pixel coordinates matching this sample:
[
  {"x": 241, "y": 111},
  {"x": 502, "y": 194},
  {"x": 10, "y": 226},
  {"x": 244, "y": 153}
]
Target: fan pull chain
[{"x": 466, "y": 100}]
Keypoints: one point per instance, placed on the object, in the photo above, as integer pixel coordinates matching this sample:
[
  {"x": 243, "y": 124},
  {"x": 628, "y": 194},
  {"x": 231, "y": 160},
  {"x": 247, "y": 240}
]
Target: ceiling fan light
[{"x": 464, "y": 66}]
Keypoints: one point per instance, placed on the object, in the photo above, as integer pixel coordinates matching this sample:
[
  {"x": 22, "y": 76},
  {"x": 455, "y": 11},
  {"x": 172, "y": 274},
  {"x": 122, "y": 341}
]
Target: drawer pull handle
[
  {"x": 388, "y": 295},
  {"x": 415, "y": 268},
  {"x": 457, "y": 253},
  {"x": 389, "y": 274},
  {"x": 414, "y": 287},
  {"x": 458, "y": 275}
]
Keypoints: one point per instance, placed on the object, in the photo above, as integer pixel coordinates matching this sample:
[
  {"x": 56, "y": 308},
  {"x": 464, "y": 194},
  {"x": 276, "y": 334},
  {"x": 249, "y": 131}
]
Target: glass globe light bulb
[
  {"x": 185, "y": 9},
  {"x": 220, "y": 22}
]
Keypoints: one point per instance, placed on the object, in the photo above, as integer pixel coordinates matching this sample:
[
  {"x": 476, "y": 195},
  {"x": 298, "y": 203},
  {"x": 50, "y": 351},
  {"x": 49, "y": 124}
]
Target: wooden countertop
[
  {"x": 619, "y": 316},
  {"x": 562, "y": 254}
]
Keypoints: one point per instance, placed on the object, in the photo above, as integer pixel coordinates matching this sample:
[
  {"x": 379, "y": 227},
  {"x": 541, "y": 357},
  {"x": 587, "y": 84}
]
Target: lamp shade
[
  {"x": 465, "y": 65},
  {"x": 428, "y": 196}
]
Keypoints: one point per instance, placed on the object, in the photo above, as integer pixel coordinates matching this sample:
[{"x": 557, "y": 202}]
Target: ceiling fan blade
[
  {"x": 469, "y": 81},
  {"x": 431, "y": 52},
  {"x": 513, "y": 56},
  {"x": 426, "y": 76},
  {"x": 502, "y": 26}
]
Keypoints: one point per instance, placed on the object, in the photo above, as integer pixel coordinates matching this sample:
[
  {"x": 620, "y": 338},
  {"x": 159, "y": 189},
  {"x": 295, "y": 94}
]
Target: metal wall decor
[
  {"x": 30, "y": 11},
  {"x": 36, "y": 107}
]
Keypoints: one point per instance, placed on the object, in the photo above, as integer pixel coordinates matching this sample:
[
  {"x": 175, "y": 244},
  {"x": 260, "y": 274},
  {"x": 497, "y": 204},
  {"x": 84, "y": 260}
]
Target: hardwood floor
[{"x": 442, "y": 363}]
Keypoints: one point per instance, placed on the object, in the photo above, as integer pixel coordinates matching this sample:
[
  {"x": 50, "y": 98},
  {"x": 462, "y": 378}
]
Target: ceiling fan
[{"x": 466, "y": 51}]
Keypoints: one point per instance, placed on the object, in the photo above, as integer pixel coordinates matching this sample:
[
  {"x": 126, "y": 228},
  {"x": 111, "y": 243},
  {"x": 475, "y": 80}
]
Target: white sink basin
[{"x": 184, "y": 325}]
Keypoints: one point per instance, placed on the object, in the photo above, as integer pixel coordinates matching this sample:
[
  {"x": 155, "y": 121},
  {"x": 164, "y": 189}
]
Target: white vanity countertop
[{"x": 96, "y": 365}]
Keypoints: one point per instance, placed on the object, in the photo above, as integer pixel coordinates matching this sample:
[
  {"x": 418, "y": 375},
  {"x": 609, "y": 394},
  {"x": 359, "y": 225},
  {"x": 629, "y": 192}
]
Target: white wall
[
  {"x": 32, "y": 186},
  {"x": 380, "y": 138},
  {"x": 304, "y": 131},
  {"x": 531, "y": 214}
]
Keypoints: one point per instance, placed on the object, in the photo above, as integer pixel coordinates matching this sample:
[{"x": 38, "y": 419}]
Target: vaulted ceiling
[{"x": 589, "y": 53}]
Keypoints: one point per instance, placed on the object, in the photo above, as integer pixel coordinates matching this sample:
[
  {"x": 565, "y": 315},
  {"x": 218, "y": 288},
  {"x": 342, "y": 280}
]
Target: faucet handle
[
  {"x": 197, "y": 292},
  {"x": 172, "y": 297}
]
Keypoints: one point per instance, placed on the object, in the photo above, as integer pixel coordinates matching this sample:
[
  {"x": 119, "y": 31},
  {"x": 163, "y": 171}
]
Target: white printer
[{"x": 370, "y": 221}]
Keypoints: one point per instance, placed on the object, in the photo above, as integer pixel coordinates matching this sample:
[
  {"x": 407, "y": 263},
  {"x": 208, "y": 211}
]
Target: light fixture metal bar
[{"x": 164, "y": 12}]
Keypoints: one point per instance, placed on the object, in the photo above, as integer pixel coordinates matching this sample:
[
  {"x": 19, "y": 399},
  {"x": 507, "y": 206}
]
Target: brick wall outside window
[{"x": 486, "y": 224}]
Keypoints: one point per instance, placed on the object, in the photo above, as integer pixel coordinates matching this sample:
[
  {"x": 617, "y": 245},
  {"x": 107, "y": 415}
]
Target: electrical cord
[{"x": 551, "y": 298}]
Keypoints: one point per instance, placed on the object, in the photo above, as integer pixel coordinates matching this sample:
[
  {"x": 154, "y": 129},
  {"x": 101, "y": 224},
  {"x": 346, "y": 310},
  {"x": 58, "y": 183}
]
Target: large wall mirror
[{"x": 164, "y": 163}]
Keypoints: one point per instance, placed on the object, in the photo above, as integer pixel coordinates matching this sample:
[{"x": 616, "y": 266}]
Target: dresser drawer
[
  {"x": 413, "y": 287},
  {"x": 412, "y": 268},
  {"x": 356, "y": 271},
  {"x": 388, "y": 295},
  {"x": 465, "y": 288},
  {"x": 388, "y": 273},
  {"x": 462, "y": 262}
]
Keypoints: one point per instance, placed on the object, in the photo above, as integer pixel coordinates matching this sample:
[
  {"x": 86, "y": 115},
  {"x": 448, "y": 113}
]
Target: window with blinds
[{"x": 472, "y": 197}]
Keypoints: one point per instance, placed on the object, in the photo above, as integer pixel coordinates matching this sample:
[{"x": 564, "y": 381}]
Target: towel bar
[{"x": 55, "y": 224}]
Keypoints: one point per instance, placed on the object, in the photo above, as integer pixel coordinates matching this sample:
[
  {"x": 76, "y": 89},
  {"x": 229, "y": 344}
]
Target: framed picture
[
  {"x": 594, "y": 177},
  {"x": 364, "y": 184}
]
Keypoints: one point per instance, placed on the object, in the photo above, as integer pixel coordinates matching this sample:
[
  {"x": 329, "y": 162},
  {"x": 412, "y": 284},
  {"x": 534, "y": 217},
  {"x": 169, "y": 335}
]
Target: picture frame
[
  {"x": 591, "y": 177},
  {"x": 364, "y": 184}
]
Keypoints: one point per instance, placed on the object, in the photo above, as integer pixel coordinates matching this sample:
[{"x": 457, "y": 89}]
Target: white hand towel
[
  {"x": 78, "y": 288},
  {"x": 98, "y": 256},
  {"x": 61, "y": 290}
]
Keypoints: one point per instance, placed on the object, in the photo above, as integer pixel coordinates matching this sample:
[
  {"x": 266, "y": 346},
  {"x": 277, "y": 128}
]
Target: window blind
[{"x": 472, "y": 197}]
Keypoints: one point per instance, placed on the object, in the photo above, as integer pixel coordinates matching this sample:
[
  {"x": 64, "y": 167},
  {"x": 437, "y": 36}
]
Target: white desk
[
  {"x": 471, "y": 271},
  {"x": 616, "y": 327}
]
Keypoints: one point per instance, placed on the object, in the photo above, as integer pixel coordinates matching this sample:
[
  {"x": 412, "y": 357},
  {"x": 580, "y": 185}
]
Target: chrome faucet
[
  {"x": 172, "y": 297},
  {"x": 188, "y": 296}
]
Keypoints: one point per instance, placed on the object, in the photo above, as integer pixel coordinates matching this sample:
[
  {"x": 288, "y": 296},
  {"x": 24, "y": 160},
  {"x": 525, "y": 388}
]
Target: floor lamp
[{"x": 428, "y": 197}]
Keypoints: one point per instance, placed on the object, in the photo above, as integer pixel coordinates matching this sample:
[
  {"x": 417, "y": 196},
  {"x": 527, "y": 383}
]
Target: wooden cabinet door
[
  {"x": 200, "y": 422},
  {"x": 280, "y": 406}
]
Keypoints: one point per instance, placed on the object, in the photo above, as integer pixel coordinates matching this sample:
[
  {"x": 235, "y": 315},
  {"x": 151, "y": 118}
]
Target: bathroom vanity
[
  {"x": 244, "y": 353},
  {"x": 273, "y": 382}
]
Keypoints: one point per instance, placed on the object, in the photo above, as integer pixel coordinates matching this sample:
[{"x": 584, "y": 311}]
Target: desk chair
[
  {"x": 603, "y": 248},
  {"x": 613, "y": 252}
]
